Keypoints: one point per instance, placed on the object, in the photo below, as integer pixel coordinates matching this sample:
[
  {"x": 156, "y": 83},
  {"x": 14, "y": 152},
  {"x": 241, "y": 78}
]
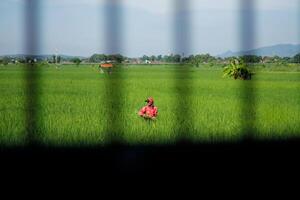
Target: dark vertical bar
[
  {"x": 298, "y": 23},
  {"x": 113, "y": 83},
  {"x": 247, "y": 42},
  {"x": 182, "y": 26},
  {"x": 32, "y": 47},
  {"x": 113, "y": 16},
  {"x": 181, "y": 43}
]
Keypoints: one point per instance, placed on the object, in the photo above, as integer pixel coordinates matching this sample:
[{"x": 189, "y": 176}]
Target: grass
[{"x": 80, "y": 106}]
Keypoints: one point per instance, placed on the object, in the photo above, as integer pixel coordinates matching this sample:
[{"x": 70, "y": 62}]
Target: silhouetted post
[
  {"x": 113, "y": 84},
  {"x": 247, "y": 42},
  {"x": 298, "y": 21},
  {"x": 181, "y": 39},
  {"x": 32, "y": 47}
]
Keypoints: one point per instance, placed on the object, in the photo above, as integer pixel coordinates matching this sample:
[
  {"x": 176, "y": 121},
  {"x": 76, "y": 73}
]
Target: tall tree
[
  {"x": 5, "y": 60},
  {"x": 58, "y": 60},
  {"x": 159, "y": 58},
  {"x": 145, "y": 57},
  {"x": 296, "y": 58},
  {"x": 53, "y": 59},
  {"x": 76, "y": 60},
  {"x": 152, "y": 58}
]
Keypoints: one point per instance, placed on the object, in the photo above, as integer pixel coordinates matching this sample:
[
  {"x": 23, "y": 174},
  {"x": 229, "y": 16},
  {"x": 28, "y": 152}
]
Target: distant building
[{"x": 147, "y": 62}]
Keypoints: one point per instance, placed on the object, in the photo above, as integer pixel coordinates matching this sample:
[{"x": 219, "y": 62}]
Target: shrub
[
  {"x": 238, "y": 70},
  {"x": 77, "y": 61}
]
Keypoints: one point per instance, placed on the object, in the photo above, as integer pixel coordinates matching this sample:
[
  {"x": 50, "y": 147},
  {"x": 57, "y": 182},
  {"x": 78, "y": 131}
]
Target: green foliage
[
  {"x": 5, "y": 60},
  {"x": 54, "y": 59},
  {"x": 159, "y": 58},
  {"x": 276, "y": 60},
  {"x": 43, "y": 64},
  {"x": 96, "y": 58},
  {"x": 153, "y": 58},
  {"x": 172, "y": 58},
  {"x": 237, "y": 69},
  {"x": 202, "y": 59},
  {"x": 251, "y": 59},
  {"x": 145, "y": 57},
  {"x": 58, "y": 60},
  {"x": 74, "y": 105},
  {"x": 195, "y": 60},
  {"x": 118, "y": 58},
  {"x": 77, "y": 61},
  {"x": 296, "y": 58}
]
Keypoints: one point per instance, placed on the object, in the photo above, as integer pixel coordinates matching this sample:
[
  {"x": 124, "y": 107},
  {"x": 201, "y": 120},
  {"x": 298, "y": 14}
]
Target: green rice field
[{"x": 81, "y": 106}]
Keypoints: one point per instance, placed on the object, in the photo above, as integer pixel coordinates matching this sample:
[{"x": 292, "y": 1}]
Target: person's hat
[{"x": 149, "y": 100}]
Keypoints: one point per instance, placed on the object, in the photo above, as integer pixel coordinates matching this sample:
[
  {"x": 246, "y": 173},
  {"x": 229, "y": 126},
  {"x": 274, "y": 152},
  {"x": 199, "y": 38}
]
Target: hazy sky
[{"x": 77, "y": 27}]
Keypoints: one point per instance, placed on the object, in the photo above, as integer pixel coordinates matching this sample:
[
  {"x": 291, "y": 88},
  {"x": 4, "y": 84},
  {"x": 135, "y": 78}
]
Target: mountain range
[{"x": 282, "y": 50}]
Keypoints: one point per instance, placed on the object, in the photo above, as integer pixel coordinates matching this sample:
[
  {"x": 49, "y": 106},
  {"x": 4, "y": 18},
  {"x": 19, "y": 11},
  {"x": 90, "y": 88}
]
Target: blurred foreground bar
[
  {"x": 32, "y": 48},
  {"x": 247, "y": 42},
  {"x": 181, "y": 41},
  {"x": 113, "y": 85}
]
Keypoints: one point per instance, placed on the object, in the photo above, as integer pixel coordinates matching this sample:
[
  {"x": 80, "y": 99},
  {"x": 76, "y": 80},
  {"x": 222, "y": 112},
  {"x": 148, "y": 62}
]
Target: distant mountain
[{"x": 282, "y": 50}]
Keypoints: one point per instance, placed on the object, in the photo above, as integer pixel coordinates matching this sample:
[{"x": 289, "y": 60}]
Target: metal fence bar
[
  {"x": 181, "y": 42},
  {"x": 113, "y": 83},
  {"x": 247, "y": 41},
  {"x": 32, "y": 47},
  {"x": 298, "y": 22}
]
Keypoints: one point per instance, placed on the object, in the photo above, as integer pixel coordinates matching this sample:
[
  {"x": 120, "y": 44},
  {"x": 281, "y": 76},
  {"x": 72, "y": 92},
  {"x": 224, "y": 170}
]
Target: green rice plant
[{"x": 75, "y": 108}]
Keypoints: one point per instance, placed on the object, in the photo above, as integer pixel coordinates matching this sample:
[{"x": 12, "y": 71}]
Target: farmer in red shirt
[{"x": 149, "y": 111}]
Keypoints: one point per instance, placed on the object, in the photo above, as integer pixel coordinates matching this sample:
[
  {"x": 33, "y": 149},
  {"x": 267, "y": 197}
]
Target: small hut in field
[{"x": 107, "y": 66}]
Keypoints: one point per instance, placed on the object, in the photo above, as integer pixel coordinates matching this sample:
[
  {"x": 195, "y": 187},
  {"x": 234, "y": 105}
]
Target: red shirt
[{"x": 150, "y": 111}]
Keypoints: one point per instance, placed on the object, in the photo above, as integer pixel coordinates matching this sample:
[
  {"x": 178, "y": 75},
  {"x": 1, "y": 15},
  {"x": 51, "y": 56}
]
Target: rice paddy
[{"x": 81, "y": 106}]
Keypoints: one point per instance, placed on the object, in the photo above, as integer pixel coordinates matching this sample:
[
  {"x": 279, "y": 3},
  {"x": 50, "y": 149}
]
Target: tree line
[
  {"x": 207, "y": 58},
  {"x": 195, "y": 60}
]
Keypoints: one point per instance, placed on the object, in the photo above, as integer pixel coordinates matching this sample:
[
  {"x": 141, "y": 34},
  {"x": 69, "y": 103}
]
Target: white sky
[{"x": 75, "y": 27}]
